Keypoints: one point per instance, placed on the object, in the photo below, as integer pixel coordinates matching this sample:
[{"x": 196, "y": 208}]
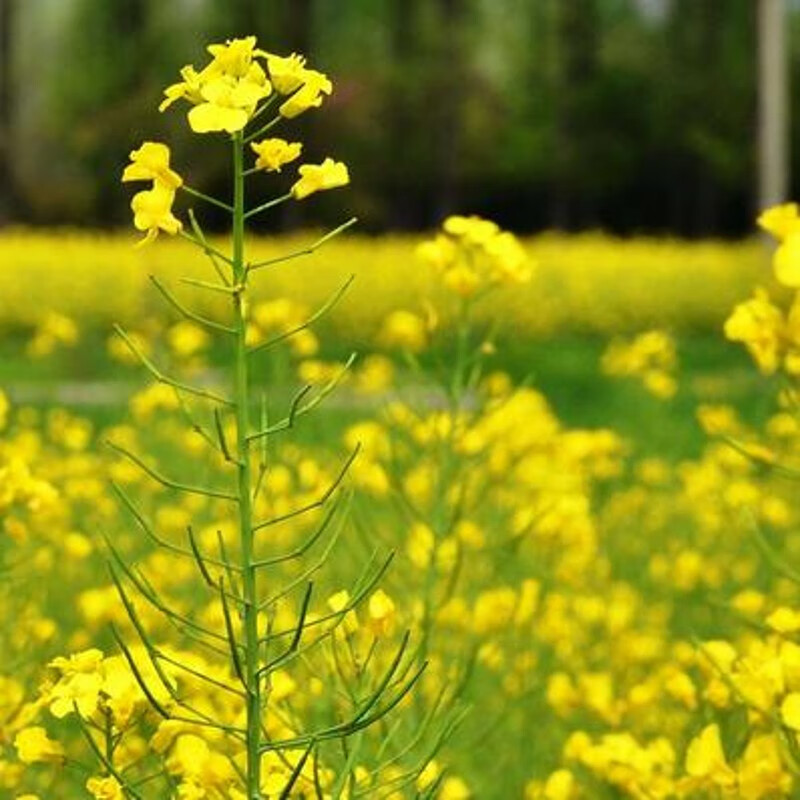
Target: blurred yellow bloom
[
  {"x": 152, "y": 212},
  {"x": 786, "y": 261},
  {"x": 780, "y": 221},
  {"x": 337, "y": 603},
  {"x": 784, "y": 620},
  {"x": 405, "y": 330},
  {"x": 706, "y": 759},
  {"x": 107, "y": 788},
  {"x": 758, "y": 324},
  {"x": 382, "y": 613},
  {"x": 329, "y": 174},
  {"x": 783, "y": 222},
  {"x": 274, "y": 153},
  {"x": 187, "y": 338},
  {"x": 454, "y": 788},
  {"x": 287, "y": 73},
  {"x": 790, "y": 711},
  {"x": 151, "y": 163},
  {"x": 33, "y": 745},
  {"x": 309, "y": 95}
]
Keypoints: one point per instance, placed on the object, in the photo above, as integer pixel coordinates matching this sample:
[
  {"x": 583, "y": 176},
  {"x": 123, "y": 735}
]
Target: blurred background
[{"x": 636, "y": 116}]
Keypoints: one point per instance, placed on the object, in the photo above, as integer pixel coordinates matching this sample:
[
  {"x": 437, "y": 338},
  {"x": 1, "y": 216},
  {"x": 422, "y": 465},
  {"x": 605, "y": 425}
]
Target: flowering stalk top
[
  {"x": 233, "y": 89},
  {"x": 225, "y": 94}
]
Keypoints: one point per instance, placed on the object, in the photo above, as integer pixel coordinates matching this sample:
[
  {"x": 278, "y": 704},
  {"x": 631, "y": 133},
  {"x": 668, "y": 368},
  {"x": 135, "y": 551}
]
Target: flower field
[
  {"x": 454, "y": 516},
  {"x": 604, "y": 620},
  {"x": 591, "y": 283}
]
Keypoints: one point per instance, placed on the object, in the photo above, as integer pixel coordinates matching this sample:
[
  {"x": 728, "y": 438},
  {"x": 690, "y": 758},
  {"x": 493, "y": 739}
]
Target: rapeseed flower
[
  {"x": 329, "y": 174},
  {"x": 33, "y": 745},
  {"x": 783, "y": 222},
  {"x": 275, "y": 153}
]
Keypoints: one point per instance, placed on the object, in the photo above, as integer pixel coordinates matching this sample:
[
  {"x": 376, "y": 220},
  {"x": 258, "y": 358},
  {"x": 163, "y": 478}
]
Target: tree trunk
[
  {"x": 449, "y": 106},
  {"x": 773, "y": 104},
  {"x": 8, "y": 195},
  {"x": 578, "y": 37}
]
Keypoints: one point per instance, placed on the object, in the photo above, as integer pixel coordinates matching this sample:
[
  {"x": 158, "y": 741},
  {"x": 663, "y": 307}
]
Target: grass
[{"x": 565, "y": 369}]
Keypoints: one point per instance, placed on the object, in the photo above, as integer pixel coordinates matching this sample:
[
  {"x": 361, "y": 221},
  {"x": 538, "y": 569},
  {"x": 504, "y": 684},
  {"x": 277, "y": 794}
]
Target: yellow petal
[
  {"x": 786, "y": 261},
  {"x": 790, "y": 711},
  {"x": 208, "y": 117}
]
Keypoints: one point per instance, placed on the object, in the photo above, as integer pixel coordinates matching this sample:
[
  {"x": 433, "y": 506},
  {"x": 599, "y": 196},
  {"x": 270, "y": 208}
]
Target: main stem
[{"x": 244, "y": 488}]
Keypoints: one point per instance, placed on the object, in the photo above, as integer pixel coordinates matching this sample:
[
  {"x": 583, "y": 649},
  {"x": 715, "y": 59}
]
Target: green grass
[{"x": 565, "y": 369}]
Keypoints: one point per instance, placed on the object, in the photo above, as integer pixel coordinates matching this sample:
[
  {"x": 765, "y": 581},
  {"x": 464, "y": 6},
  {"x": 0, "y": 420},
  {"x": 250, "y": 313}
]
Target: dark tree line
[{"x": 539, "y": 113}]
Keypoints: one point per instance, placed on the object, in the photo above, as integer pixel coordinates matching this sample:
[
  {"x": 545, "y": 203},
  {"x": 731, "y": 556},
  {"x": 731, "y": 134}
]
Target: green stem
[
  {"x": 208, "y": 199},
  {"x": 248, "y": 571}
]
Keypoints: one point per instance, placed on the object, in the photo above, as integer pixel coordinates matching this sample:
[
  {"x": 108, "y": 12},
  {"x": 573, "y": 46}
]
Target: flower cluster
[
  {"x": 225, "y": 94},
  {"x": 650, "y": 356},
  {"x": 473, "y": 254},
  {"x": 152, "y": 208},
  {"x": 235, "y": 87}
]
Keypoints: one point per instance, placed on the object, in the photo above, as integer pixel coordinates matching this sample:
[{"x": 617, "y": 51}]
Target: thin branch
[
  {"x": 298, "y": 410},
  {"x": 237, "y": 662},
  {"x": 223, "y": 443},
  {"x": 262, "y": 130},
  {"x": 212, "y": 287},
  {"x": 318, "y": 503},
  {"x": 207, "y": 198},
  {"x": 306, "y": 251},
  {"x": 198, "y": 232},
  {"x": 161, "y": 378},
  {"x": 167, "y": 482},
  {"x": 269, "y": 204},
  {"x": 188, "y": 313},
  {"x": 203, "y": 244},
  {"x": 318, "y": 314},
  {"x": 306, "y": 546},
  {"x": 160, "y": 542}
]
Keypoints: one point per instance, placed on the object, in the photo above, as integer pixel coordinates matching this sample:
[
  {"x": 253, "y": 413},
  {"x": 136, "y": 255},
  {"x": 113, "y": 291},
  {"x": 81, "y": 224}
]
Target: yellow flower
[
  {"x": 454, "y": 788},
  {"x": 329, "y": 174},
  {"x": 784, "y": 620},
  {"x": 338, "y": 603},
  {"x": 188, "y": 88},
  {"x": 781, "y": 221},
  {"x": 404, "y": 329},
  {"x": 151, "y": 163},
  {"x": 33, "y": 745},
  {"x": 235, "y": 57},
  {"x": 107, "y": 788},
  {"x": 382, "y": 613},
  {"x": 186, "y": 339},
  {"x": 706, "y": 759},
  {"x": 790, "y": 711},
  {"x": 274, "y": 153},
  {"x": 560, "y": 785},
  {"x": 226, "y": 92},
  {"x": 761, "y": 770},
  {"x": 228, "y": 105},
  {"x": 758, "y": 325},
  {"x": 152, "y": 212},
  {"x": 428, "y": 776},
  {"x": 420, "y": 545},
  {"x": 287, "y": 73},
  {"x": 786, "y": 261},
  {"x": 309, "y": 95}
]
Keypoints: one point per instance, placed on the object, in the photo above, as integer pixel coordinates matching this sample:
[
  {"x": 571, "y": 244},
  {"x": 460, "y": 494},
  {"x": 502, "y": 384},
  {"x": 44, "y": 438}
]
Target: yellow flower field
[
  {"x": 224, "y": 586},
  {"x": 590, "y": 282}
]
